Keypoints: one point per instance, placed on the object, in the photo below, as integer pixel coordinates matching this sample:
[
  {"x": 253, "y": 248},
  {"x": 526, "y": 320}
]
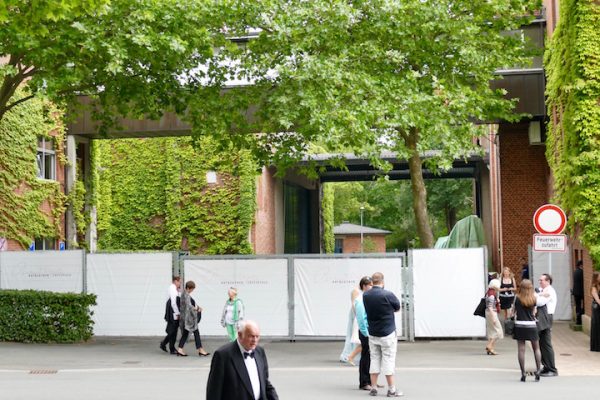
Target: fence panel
[
  {"x": 447, "y": 285},
  {"x": 262, "y": 285},
  {"x": 322, "y": 288},
  {"x": 55, "y": 271},
  {"x": 132, "y": 290}
]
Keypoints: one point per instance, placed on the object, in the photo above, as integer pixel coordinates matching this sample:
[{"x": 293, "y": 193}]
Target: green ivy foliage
[
  {"x": 21, "y": 192},
  {"x": 152, "y": 194},
  {"x": 573, "y": 91},
  {"x": 45, "y": 317},
  {"x": 327, "y": 208}
]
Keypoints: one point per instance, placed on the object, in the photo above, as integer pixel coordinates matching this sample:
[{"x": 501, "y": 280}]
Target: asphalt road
[{"x": 134, "y": 368}]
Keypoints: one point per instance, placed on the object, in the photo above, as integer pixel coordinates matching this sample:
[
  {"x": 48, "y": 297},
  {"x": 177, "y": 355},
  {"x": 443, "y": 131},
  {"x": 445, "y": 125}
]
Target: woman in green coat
[{"x": 233, "y": 312}]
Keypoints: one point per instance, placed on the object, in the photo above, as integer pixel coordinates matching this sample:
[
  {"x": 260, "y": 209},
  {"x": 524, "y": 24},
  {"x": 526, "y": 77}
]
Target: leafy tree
[
  {"x": 406, "y": 76},
  {"x": 131, "y": 56},
  {"x": 388, "y": 205}
]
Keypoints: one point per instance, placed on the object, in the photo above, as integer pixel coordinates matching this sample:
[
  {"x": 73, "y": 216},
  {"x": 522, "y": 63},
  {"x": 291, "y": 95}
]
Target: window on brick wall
[
  {"x": 45, "y": 244},
  {"x": 46, "y": 159}
]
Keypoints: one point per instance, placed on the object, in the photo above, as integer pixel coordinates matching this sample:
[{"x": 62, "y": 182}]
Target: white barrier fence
[
  {"x": 55, "y": 271},
  {"x": 296, "y": 296}
]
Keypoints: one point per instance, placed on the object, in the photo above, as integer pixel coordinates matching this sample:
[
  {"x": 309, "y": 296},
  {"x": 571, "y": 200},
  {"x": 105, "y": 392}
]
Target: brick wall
[
  {"x": 524, "y": 175},
  {"x": 352, "y": 243}
]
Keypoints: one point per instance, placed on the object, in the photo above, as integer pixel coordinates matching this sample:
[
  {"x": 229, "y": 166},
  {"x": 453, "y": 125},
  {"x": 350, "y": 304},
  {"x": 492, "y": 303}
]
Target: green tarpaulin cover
[{"x": 468, "y": 232}]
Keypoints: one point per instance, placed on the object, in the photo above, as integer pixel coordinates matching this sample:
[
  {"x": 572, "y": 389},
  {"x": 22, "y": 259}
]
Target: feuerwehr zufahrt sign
[{"x": 550, "y": 221}]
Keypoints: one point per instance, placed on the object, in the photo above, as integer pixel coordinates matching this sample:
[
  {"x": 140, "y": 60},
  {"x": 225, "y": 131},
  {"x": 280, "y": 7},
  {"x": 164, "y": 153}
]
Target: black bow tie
[{"x": 248, "y": 354}]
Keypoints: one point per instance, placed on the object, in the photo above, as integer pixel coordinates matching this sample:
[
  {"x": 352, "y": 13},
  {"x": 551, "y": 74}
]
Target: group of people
[
  {"x": 182, "y": 313},
  {"x": 372, "y": 320},
  {"x": 532, "y": 311}
]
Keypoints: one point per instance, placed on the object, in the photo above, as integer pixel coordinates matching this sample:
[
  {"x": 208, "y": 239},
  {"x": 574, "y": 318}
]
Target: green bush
[{"x": 45, "y": 317}]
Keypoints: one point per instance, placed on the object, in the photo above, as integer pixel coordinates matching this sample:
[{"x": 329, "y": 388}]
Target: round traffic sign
[{"x": 549, "y": 219}]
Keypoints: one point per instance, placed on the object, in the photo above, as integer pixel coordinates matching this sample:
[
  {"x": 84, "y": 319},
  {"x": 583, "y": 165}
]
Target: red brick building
[{"x": 352, "y": 238}]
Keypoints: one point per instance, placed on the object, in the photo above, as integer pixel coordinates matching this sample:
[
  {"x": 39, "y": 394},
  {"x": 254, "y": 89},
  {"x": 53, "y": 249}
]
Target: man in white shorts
[{"x": 380, "y": 305}]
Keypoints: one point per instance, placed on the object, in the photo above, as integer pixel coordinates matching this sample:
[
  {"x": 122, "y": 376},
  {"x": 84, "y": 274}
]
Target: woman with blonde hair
[
  {"x": 526, "y": 326},
  {"x": 595, "y": 325},
  {"x": 507, "y": 290},
  {"x": 492, "y": 323}
]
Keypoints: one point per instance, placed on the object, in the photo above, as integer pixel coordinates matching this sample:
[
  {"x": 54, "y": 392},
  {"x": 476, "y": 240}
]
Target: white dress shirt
[
  {"x": 549, "y": 301},
  {"x": 252, "y": 371},
  {"x": 173, "y": 293}
]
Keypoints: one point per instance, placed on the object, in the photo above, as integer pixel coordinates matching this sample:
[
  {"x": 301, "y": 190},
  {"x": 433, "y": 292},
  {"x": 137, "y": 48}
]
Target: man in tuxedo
[
  {"x": 239, "y": 370},
  {"x": 172, "y": 316}
]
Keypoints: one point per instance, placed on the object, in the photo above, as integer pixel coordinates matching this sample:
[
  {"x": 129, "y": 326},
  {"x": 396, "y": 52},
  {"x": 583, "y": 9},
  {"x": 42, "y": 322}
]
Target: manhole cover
[
  {"x": 43, "y": 371},
  {"x": 131, "y": 362},
  {"x": 566, "y": 354}
]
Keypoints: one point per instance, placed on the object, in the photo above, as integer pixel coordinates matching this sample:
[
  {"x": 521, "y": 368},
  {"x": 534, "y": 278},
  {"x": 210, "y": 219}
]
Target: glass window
[
  {"x": 46, "y": 159},
  {"x": 45, "y": 244}
]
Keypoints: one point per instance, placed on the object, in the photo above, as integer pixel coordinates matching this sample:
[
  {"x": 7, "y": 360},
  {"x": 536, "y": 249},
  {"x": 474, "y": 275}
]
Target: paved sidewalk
[{"x": 135, "y": 368}]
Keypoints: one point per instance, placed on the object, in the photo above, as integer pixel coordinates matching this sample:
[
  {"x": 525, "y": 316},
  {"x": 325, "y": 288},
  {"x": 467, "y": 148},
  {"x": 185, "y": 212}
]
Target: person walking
[
  {"x": 171, "y": 316},
  {"x": 239, "y": 369},
  {"x": 380, "y": 305},
  {"x": 493, "y": 329},
  {"x": 595, "y": 325},
  {"x": 364, "y": 379},
  {"x": 577, "y": 291},
  {"x": 547, "y": 306},
  {"x": 189, "y": 320},
  {"x": 525, "y": 326},
  {"x": 233, "y": 313}
]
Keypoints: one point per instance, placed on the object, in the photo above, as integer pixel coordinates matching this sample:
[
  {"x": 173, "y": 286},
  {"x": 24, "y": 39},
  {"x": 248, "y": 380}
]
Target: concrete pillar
[{"x": 70, "y": 178}]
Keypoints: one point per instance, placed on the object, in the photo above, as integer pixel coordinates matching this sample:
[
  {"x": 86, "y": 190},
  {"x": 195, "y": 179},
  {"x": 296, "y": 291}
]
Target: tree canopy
[
  {"x": 131, "y": 56},
  {"x": 370, "y": 76}
]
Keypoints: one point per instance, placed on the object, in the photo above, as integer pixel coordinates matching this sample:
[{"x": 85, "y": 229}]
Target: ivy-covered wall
[
  {"x": 22, "y": 194},
  {"x": 573, "y": 90},
  {"x": 327, "y": 207},
  {"x": 152, "y": 194}
]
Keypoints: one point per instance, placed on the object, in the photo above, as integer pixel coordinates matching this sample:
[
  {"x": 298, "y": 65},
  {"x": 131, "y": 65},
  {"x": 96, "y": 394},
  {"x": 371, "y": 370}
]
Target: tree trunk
[{"x": 419, "y": 193}]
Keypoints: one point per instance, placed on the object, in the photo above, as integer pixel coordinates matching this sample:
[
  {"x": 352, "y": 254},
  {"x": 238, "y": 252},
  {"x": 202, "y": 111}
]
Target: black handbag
[
  {"x": 509, "y": 326},
  {"x": 480, "y": 309}
]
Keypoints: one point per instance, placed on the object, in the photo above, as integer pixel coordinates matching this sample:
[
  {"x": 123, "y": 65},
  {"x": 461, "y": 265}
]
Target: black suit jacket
[{"x": 228, "y": 378}]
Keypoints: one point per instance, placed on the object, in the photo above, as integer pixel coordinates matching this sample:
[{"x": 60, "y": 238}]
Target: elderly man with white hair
[{"x": 493, "y": 328}]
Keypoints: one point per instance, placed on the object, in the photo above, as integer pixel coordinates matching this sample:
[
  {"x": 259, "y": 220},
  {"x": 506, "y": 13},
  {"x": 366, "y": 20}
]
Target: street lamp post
[{"x": 362, "y": 209}]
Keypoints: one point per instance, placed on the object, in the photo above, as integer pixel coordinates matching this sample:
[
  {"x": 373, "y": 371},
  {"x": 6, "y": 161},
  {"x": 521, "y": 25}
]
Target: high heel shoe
[
  {"x": 523, "y": 377},
  {"x": 491, "y": 352},
  {"x": 181, "y": 353},
  {"x": 203, "y": 354},
  {"x": 537, "y": 375}
]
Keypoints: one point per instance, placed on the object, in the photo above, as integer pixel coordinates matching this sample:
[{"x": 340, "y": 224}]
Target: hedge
[{"x": 45, "y": 317}]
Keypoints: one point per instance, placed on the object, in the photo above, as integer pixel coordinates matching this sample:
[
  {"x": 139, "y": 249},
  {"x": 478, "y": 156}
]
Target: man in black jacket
[
  {"x": 239, "y": 369},
  {"x": 380, "y": 305},
  {"x": 577, "y": 290}
]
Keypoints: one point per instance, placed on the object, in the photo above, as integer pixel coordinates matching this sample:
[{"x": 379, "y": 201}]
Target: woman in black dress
[
  {"x": 507, "y": 288},
  {"x": 526, "y": 327},
  {"x": 595, "y": 328}
]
